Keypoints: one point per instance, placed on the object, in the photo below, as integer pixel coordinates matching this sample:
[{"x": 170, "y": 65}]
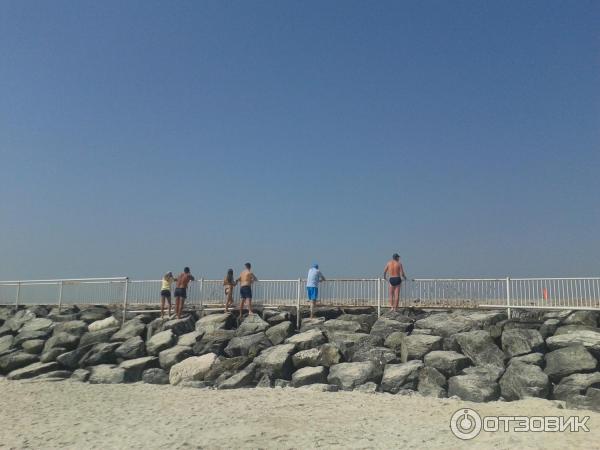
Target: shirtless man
[
  {"x": 246, "y": 279},
  {"x": 181, "y": 290},
  {"x": 396, "y": 272}
]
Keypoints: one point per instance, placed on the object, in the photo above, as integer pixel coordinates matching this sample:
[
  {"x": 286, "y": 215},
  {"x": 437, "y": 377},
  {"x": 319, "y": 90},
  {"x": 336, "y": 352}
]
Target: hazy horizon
[{"x": 141, "y": 137}]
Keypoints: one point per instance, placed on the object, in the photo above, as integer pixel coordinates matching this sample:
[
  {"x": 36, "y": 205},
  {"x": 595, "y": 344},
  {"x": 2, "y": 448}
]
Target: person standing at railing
[
  {"x": 229, "y": 284},
  {"x": 395, "y": 270},
  {"x": 183, "y": 280},
  {"x": 246, "y": 279},
  {"x": 313, "y": 279},
  {"x": 165, "y": 292}
]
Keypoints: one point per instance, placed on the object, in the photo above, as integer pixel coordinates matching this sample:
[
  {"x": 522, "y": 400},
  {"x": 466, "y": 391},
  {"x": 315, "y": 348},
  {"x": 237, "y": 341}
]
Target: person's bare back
[
  {"x": 184, "y": 279},
  {"x": 247, "y": 278},
  {"x": 394, "y": 269}
]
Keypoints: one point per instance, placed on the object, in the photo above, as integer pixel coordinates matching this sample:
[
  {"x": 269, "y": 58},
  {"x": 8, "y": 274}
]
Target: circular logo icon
[{"x": 465, "y": 424}]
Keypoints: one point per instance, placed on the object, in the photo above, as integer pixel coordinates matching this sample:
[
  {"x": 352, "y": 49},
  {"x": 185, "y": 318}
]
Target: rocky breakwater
[{"x": 477, "y": 356}]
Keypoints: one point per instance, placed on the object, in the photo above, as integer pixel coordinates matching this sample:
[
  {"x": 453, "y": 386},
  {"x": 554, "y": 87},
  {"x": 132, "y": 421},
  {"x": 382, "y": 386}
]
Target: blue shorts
[{"x": 313, "y": 293}]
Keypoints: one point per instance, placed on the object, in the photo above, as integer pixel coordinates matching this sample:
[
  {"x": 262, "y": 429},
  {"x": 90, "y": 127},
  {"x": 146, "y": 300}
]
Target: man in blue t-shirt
[{"x": 313, "y": 279}]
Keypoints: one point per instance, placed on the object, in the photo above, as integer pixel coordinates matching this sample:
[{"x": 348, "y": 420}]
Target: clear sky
[{"x": 139, "y": 137}]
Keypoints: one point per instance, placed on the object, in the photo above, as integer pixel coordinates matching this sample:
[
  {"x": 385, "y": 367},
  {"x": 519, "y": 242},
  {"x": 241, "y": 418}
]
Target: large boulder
[
  {"x": 379, "y": 355},
  {"x": 277, "y": 334},
  {"x": 98, "y": 337},
  {"x": 33, "y": 346},
  {"x": 132, "y": 348},
  {"x": 349, "y": 375},
  {"x": 179, "y": 326},
  {"x": 80, "y": 375},
  {"x": 155, "y": 376},
  {"x": 276, "y": 361},
  {"x": 520, "y": 341},
  {"x": 213, "y": 342},
  {"x": 243, "y": 378},
  {"x": 400, "y": 376},
  {"x": 350, "y": 343},
  {"x": 365, "y": 321},
  {"x": 549, "y": 327},
  {"x": 417, "y": 346},
  {"x": 74, "y": 327},
  {"x": 447, "y": 362},
  {"x": 16, "y": 360},
  {"x": 171, "y": 356},
  {"x": 274, "y": 317},
  {"x": 103, "y": 353},
  {"x": 312, "y": 324},
  {"x": 94, "y": 313},
  {"x": 160, "y": 341},
  {"x": 568, "y": 360},
  {"x": 131, "y": 328},
  {"x": 326, "y": 355},
  {"x": 345, "y": 326},
  {"x": 522, "y": 380},
  {"x": 587, "y": 318},
  {"x": 394, "y": 341},
  {"x": 6, "y": 342},
  {"x": 383, "y": 327},
  {"x": 576, "y": 384},
  {"x": 531, "y": 358},
  {"x": 37, "y": 324},
  {"x": 309, "y": 375},
  {"x": 192, "y": 369},
  {"x": 445, "y": 324},
  {"x": 589, "y": 339},
  {"x": 214, "y": 322},
  {"x": 432, "y": 383},
  {"x": 473, "y": 388},
  {"x": 64, "y": 340},
  {"x": 109, "y": 322},
  {"x": 134, "y": 368},
  {"x": 70, "y": 360},
  {"x": 226, "y": 365},
  {"x": 19, "y": 319},
  {"x": 307, "y": 339},
  {"x": 480, "y": 348},
  {"x": 32, "y": 370},
  {"x": 247, "y": 345},
  {"x": 29, "y": 335},
  {"x": 251, "y": 325},
  {"x": 189, "y": 339},
  {"x": 106, "y": 374}
]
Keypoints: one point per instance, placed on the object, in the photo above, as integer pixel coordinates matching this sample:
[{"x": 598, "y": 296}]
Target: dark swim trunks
[
  {"x": 246, "y": 292},
  {"x": 165, "y": 293},
  {"x": 395, "y": 281},
  {"x": 180, "y": 292}
]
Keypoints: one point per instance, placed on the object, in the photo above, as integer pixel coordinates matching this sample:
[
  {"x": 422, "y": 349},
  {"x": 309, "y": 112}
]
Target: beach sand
[{"x": 74, "y": 415}]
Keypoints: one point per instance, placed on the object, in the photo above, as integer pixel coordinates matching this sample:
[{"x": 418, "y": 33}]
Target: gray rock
[
  {"x": 56, "y": 375},
  {"x": 576, "y": 384},
  {"x": 74, "y": 327},
  {"x": 57, "y": 318},
  {"x": 159, "y": 342},
  {"x": 247, "y": 345},
  {"x": 401, "y": 376},
  {"x": 277, "y": 334},
  {"x": 6, "y": 342},
  {"x": 276, "y": 317},
  {"x": 195, "y": 384},
  {"x": 394, "y": 341},
  {"x": 568, "y": 360},
  {"x": 432, "y": 383},
  {"x": 329, "y": 355},
  {"x": 445, "y": 325},
  {"x": 34, "y": 346},
  {"x": 108, "y": 322},
  {"x": 265, "y": 382},
  {"x": 379, "y": 355},
  {"x": 531, "y": 358},
  {"x": 276, "y": 361},
  {"x": 349, "y": 343},
  {"x": 213, "y": 342},
  {"x": 549, "y": 327},
  {"x": 214, "y": 322},
  {"x": 81, "y": 375},
  {"x": 307, "y": 339},
  {"x": 153, "y": 327},
  {"x": 38, "y": 324},
  {"x": 131, "y": 328},
  {"x": 417, "y": 346},
  {"x": 279, "y": 383},
  {"x": 103, "y": 353},
  {"x": 132, "y": 348},
  {"x": 524, "y": 380},
  {"x": 29, "y": 335},
  {"x": 345, "y": 326},
  {"x": 518, "y": 342},
  {"x": 366, "y": 321},
  {"x": 52, "y": 354},
  {"x": 94, "y": 313},
  {"x": 106, "y": 374},
  {"x": 422, "y": 331},
  {"x": 168, "y": 358},
  {"x": 192, "y": 369},
  {"x": 490, "y": 372},
  {"x": 560, "y": 315},
  {"x": 480, "y": 348},
  {"x": 473, "y": 388},
  {"x": 588, "y": 318},
  {"x": 368, "y": 388},
  {"x": 447, "y": 362},
  {"x": 312, "y": 324},
  {"x": 134, "y": 368},
  {"x": 226, "y": 365},
  {"x": 241, "y": 379},
  {"x": 155, "y": 376},
  {"x": 6, "y": 330},
  {"x": 251, "y": 325},
  {"x": 309, "y": 375},
  {"x": 19, "y": 319},
  {"x": 16, "y": 360},
  {"x": 383, "y": 327},
  {"x": 32, "y": 370},
  {"x": 349, "y": 375},
  {"x": 568, "y": 329},
  {"x": 189, "y": 339},
  {"x": 320, "y": 387},
  {"x": 97, "y": 337},
  {"x": 179, "y": 326},
  {"x": 589, "y": 339}
]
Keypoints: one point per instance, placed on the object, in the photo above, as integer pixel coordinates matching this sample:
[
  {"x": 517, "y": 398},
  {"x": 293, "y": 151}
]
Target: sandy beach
[{"x": 74, "y": 415}]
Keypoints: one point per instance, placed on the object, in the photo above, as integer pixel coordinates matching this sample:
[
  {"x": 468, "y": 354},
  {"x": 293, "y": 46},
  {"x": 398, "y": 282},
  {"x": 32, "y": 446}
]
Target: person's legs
[
  {"x": 396, "y": 297},
  {"x": 181, "y": 307},
  {"x": 162, "y": 306},
  {"x": 250, "y": 313},
  {"x": 169, "y": 302},
  {"x": 242, "y": 301},
  {"x": 391, "y": 292}
]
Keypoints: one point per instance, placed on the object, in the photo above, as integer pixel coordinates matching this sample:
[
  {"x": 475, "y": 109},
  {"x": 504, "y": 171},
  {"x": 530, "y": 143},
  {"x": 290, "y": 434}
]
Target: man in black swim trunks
[
  {"x": 181, "y": 290},
  {"x": 396, "y": 272}
]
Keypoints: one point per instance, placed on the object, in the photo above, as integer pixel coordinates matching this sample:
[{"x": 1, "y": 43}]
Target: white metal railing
[{"x": 524, "y": 293}]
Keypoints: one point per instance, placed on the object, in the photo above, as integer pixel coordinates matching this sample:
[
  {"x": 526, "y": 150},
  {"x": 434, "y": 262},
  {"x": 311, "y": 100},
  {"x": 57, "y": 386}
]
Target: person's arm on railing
[
  {"x": 402, "y": 271},
  {"x": 385, "y": 271},
  {"x": 322, "y": 277}
]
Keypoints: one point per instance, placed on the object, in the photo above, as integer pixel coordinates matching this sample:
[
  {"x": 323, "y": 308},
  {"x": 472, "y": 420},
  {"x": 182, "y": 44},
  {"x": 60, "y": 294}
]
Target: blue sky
[{"x": 139, "y": 137}]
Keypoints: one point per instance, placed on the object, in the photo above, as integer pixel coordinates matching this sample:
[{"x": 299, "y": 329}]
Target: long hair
[
  {"x": 167, "y": 275},
  {"x": 229, "y": 276}
]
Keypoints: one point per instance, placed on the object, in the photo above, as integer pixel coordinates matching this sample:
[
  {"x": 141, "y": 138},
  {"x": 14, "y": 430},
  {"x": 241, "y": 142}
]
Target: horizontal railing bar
[{"x": 64, "y": 279}]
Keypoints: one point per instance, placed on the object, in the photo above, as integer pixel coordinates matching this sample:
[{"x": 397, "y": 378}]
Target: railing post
[
  {"x": 508, "y": 297},
  {"x": 378, "y": 297},
  {"x": 125, "y": 299},
  {"x": 60, "y": 295},
  {"x": 201, "y": 297},
  {"x": 18, "y": 295},
  {"x": 298, "y": 305}
]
